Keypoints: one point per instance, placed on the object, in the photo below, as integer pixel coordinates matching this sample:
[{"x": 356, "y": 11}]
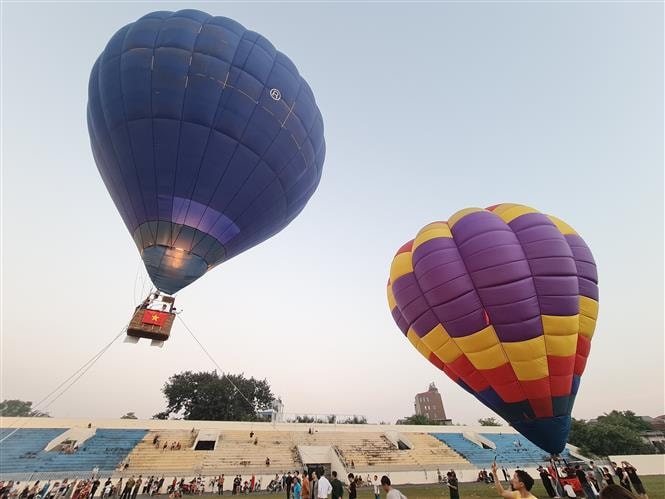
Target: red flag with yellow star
[{"x": 153, "y": 317}]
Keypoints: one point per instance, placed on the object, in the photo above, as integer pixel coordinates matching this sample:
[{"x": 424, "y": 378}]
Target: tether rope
[
  {"x": 224, "y": 375},
  {"x": 74, "y": 377}
]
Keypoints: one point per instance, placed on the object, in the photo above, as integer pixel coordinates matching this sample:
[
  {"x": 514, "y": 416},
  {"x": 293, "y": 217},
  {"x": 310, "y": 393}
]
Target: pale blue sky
[{"x": 428, "y": 108}]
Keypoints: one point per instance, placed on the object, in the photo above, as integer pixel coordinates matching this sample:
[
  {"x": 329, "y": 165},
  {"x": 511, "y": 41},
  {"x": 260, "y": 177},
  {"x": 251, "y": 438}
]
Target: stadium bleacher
[
  {"x": 512, "y": 450},
  {"x": 516, "y": 450},
  {"x": 125, "y": 447},
  {"x": 24, "y": 451}
]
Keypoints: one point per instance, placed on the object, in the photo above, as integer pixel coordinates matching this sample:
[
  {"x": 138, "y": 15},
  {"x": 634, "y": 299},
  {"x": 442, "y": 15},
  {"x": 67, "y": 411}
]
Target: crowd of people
[{"x": 592, "y": 482}]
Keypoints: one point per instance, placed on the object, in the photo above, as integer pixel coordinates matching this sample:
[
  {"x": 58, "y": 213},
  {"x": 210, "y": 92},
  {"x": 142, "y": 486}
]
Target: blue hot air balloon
[{"x": 207, "y": 138}]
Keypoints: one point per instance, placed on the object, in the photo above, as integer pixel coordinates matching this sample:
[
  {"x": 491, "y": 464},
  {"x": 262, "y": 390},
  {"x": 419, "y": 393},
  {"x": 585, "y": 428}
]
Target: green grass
[{"x": 655, "y": 486}]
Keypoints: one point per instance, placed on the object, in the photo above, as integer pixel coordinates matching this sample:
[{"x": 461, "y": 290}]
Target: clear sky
[{"x": 428, "y": 108}]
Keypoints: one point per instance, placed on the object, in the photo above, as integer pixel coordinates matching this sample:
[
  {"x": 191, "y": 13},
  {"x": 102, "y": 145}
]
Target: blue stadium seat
[
  {"x": 23, "y": 452},
  {"x": 512, "y": 450}
]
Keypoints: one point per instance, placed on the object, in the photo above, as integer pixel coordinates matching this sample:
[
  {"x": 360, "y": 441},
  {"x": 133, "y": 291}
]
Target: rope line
[
  {"x": 224, "y": 375},
  {"x": 74, "y": 377}
]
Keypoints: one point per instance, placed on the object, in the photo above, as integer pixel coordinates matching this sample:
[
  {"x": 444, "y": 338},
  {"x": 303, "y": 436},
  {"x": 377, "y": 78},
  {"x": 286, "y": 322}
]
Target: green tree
[
  {"x": 627, "y": 419},
  {"x": 21, "y": 409},
  {"x": 613, "y": 433},
  {"x": 208, "y": 396},
  {"x": 129, "y": 415},
  {"x": 417, "y": 419},
  {"x": 488, "y": 422}
]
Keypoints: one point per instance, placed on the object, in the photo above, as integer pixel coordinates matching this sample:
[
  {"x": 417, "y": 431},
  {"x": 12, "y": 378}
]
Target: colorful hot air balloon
[
  {"x": 207, "y": 138},
  {"x": 504, "y": 301}
]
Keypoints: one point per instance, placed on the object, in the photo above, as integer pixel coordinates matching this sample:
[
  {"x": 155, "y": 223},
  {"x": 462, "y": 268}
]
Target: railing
[
  {"x": 412, "y": 467},
  {"x": 52, "y": 475}
]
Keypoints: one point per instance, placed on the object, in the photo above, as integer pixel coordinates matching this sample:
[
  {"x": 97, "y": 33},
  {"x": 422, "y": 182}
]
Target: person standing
[
  {"x": 453, "y": 486},
  {"x": 608, "y": 476},
  {"x": 127, "y": 491},
  {"x": 376, "y": 485},
  {"x": 598, "y": 476},
  {"x": 287, "y": 485},
  {"x": 353, "y": 492},
  {"x": 337, "y": 486},
  {"x": 547, "y": 482},
  {"x": 314, "y": 486},
  {"x": 137, "y": 487},
  {"x": 108, "y": 487},
  {"x": 388, "y": 489},
  {"x": 624, "y": 481},
  {"x": 521, "y": 485},
  {"x": 148, "y": 484},
  {"x": 635, "y": 480},
  {"x": 324, "y": 488},
  {"x": 297, "y": 488},
  {"x": 95, "y": 486},
  {"x": 305, "y": 486},
  {"x": 220, "y": 485},
  {"x": 584, "y": 482},
  {"x": 117, "y": 490}
]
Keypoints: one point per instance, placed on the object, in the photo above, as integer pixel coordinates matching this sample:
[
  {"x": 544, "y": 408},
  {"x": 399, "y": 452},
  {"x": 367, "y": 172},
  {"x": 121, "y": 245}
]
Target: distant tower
[{"x": 429, "y": 404}]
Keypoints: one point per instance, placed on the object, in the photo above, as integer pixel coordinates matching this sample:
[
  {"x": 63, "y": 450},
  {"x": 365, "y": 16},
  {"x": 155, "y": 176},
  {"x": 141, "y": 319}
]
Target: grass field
[{"x": 655, "y": 486}]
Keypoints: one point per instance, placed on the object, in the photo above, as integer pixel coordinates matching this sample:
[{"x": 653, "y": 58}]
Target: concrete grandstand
[{"x": 408, "y": 454}]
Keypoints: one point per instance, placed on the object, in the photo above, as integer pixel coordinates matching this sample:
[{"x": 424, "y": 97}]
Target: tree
[
  {"x": 355, "y": 420},
  {"x": 417, "y": 419},
  {"x": 210, "y": 397},
  {"x": 611, "y": 434},
  {"x": 303, "y": 419},
  {"x": 488, "y": 422},
  {"x": 129, "y": 415},
  {"x": 625, "y": 418},
  {"x": 21, "y": 409}
]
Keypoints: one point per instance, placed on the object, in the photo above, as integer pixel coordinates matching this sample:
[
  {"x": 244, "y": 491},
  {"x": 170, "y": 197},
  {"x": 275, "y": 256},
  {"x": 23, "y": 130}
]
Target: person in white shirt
[
  {"x": 390, "y": 492},
  {"x": 324, "y": 487},
  {"x": 377, "y": 487}
]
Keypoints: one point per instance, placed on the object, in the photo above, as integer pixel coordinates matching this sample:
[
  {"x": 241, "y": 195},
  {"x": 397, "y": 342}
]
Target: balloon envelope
[
  {"x": 504, "y": 301},
  {"x": 207, "y": 138}
]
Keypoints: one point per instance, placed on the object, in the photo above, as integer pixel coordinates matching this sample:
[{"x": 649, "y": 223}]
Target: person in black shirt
[
  {"x": 353, "y": 493},
  {"x": 608, "y": 476},
  {"x": 584, "y": 482},
  {"x": 453, "y": 486},
  {"x": 95, "y": 486},
  {"x": 635, "y": 480},
  {"x": 287, "y": 485},
  {"x": 337, "y": 487},
  {"x": 622, "y": 476},
  {"x": 547, "y": 482}
]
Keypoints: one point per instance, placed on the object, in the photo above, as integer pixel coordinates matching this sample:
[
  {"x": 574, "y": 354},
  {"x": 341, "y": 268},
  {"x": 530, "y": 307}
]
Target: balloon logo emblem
[{"x": 275, "y": 94}]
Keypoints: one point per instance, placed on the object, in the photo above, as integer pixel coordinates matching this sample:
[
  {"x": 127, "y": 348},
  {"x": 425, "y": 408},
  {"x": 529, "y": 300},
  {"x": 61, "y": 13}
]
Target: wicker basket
[{"x": 139, "y": 329}]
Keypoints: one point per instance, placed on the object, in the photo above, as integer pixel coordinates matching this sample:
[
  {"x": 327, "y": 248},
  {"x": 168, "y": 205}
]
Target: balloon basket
[{"x": 153, "y": 320}]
